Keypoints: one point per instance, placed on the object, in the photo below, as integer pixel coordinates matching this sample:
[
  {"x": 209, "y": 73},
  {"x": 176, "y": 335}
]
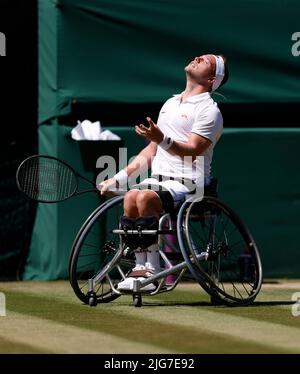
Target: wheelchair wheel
[
  {"x": 220, "y": 251},
  {"x": 97, "y": 255}
]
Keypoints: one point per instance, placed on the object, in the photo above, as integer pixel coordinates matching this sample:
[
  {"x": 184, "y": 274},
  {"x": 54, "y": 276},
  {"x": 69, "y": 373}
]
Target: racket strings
[{"x": 47, "y": 179}]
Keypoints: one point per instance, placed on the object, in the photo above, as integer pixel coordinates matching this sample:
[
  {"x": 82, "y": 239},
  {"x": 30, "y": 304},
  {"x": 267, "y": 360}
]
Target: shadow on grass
[
  {"x": 176, "y": 303},
  {"x": 209, "y": 304},
  {"x": 272, "y": 303}
]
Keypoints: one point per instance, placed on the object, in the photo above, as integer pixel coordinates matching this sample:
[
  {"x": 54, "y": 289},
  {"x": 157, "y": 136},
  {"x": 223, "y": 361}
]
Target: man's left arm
[{"x": 195, "y": 146}]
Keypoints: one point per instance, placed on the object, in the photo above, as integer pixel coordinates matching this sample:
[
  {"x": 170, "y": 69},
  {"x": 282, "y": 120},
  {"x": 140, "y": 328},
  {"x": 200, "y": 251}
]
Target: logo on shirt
[{"x": 184, "y": 116}]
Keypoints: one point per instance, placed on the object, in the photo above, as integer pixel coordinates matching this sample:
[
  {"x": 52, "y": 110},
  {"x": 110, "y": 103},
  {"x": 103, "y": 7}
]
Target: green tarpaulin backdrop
[{"x": 135, "y": 50}]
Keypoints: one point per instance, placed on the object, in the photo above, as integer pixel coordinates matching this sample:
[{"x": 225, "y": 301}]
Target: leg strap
[
  {"x": 128, "y": 223},
  {"x": 139, "y": 223}
]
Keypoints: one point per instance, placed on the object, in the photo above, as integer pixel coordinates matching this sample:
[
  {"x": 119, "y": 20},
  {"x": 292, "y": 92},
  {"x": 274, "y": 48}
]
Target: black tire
[
  {"x": 232, "y": 272},
  {"x": 97, "y": 249}
]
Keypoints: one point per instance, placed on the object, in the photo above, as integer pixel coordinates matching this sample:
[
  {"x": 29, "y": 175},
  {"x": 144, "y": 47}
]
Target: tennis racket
[{"x": 47, "y": 179}]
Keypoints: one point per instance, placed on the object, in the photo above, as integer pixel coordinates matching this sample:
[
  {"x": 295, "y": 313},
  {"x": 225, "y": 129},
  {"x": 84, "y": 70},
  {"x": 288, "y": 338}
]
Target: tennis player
[{"x": 189, "y": 125}]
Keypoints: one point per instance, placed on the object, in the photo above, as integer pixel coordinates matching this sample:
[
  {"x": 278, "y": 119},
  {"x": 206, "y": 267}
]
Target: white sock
[
  {"x": 153, "y": 257},
  {"x": 140, "y": 258}
]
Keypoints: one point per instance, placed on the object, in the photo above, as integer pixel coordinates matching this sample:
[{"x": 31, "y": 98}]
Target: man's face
[{"x": 201, "y": 68}]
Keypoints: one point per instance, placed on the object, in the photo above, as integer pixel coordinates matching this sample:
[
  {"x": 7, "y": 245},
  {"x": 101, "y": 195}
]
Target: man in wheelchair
[{"x": 189, "y": 126}]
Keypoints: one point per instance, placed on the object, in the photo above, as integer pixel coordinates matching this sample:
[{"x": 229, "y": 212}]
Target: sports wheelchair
[{"x": 215, "y": 248}]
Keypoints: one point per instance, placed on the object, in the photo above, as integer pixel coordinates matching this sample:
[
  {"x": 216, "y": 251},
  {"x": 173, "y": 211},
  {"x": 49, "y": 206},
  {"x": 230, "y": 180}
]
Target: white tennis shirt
[{"x": 200, "y": 115}]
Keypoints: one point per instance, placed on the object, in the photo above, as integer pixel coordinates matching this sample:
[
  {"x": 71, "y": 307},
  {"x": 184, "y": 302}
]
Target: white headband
[{"x": 220, "y": 72}]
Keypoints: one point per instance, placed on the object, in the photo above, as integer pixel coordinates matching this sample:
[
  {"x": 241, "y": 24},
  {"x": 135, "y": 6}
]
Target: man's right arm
[
  {"x": 142, "y": 161},
  {"x": 140, "y": 164}
]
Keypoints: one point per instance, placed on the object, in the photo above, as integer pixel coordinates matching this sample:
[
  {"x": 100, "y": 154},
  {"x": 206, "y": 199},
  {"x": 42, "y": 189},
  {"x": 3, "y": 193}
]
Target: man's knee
[
  {"x": 148, "y": 203},
  {"x": 146, "y": 197},
  {"x": 130, "y": 207},
  {"x": 130, "y": 196}
]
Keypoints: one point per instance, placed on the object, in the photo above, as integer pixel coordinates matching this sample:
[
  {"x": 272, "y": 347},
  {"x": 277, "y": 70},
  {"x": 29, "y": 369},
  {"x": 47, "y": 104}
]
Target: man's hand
[
  {"x": 151, "y": 133},
  {"x": 105, "y": 187}
]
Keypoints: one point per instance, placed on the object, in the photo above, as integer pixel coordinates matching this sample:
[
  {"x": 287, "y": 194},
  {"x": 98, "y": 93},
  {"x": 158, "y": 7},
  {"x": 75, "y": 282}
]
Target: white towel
[
  {"x": 108, "y": 135},
  {"x": 87, "y": 130}
]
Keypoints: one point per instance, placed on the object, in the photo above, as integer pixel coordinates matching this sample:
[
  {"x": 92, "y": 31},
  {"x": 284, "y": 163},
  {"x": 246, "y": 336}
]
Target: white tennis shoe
[{"x": 139, "y": 272}]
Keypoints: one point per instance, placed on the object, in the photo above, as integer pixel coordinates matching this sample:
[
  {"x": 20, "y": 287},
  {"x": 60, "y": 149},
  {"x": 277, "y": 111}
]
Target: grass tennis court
[{"x": 46, "y": 317}]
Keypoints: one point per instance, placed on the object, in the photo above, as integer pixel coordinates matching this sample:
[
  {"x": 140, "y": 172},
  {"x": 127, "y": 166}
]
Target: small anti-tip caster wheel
[
  {"x": 92, "y": 300},
  {"x": 137, "y": 300}
]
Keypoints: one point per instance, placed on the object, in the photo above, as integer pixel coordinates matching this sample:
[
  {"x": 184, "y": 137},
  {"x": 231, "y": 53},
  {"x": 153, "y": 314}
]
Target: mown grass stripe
[
  {"x": 272, "y": 304},
  {"x": 242, "y": 328},
  {"x": 45, "y": 336},
  {"x": 269, "y": 307},
  {"x": 163, "y": 327},
  {"x": 12, "y": 346}
]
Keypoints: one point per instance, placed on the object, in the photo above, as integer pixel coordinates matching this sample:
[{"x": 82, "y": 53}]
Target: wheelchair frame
[{"x": 192, "y": 263}]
